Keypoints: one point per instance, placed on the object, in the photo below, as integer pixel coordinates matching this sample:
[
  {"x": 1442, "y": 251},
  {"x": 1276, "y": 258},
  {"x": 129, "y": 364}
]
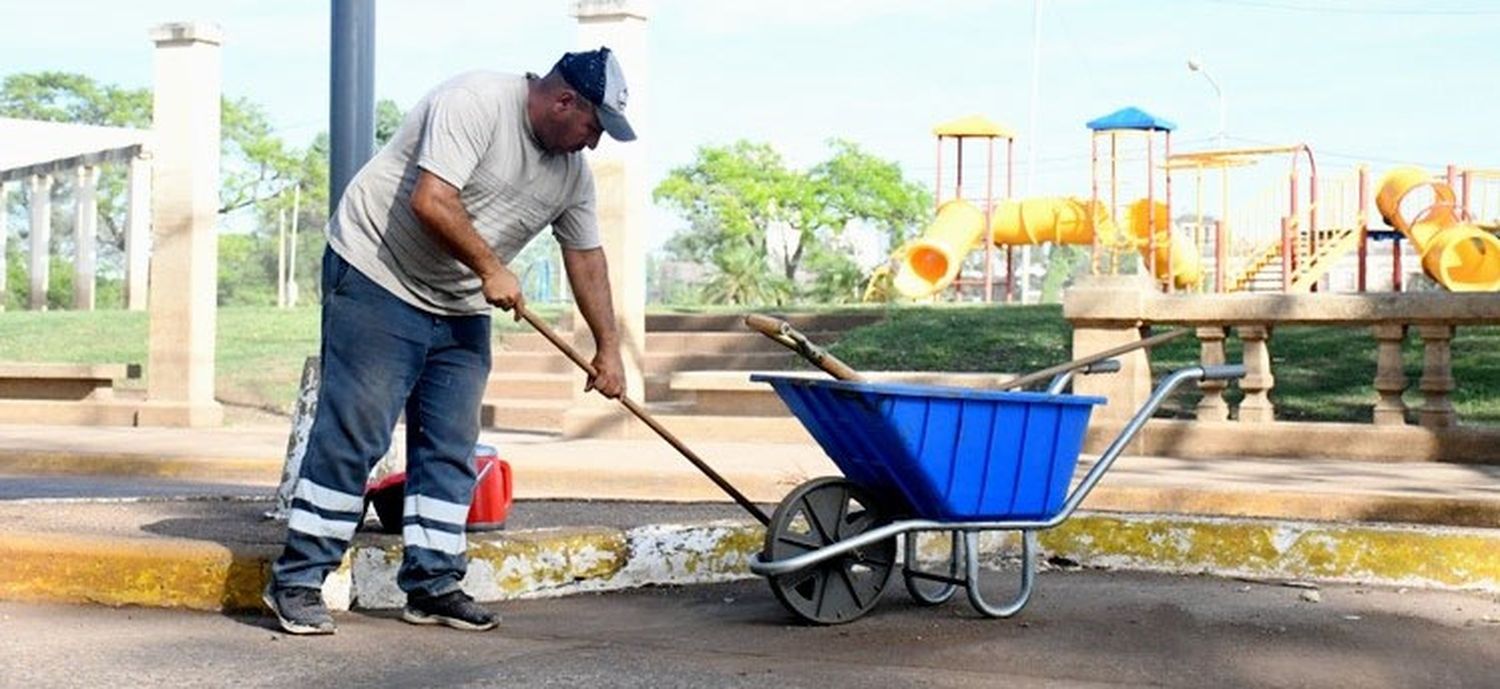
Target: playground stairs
[
  {"x": 1264, "y": 272},
  {"x": 532, "y": 385}
]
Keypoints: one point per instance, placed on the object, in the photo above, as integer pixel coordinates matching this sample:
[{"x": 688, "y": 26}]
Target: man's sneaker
[
  {"x": 300, "y": 610},
  {"x": 455, "y": 609}
]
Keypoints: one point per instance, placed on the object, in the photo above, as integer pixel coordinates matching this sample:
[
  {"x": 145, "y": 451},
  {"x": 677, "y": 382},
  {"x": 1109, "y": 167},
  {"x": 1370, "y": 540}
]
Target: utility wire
[{"x": 1363, "y": 9}]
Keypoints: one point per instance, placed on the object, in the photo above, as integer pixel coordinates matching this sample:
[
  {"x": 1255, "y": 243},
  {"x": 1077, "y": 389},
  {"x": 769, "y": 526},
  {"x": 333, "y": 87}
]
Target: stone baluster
[
  {"x": 1211, "y": 343},
  {"x": 1390, "y": 374},
  {"x": 1437, "y": 377},
  {"x": 1258, "y": 380}
]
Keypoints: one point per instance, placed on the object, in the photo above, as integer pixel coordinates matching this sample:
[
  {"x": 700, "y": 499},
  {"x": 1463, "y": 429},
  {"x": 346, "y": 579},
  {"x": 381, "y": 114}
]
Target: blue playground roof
[{"x": 1131, "y": 118}]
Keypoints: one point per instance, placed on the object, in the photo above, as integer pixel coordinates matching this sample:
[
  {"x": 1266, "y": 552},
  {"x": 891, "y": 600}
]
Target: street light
[{"x": 1196, "y": 65}]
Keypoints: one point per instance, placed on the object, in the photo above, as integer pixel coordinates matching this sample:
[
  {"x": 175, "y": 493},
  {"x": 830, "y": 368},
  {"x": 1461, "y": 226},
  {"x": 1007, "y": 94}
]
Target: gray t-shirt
[{"x": 472, "y": 132}]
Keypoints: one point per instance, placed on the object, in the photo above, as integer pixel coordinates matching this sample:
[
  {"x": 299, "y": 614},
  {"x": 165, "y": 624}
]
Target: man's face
[{"x": 575, "y": 124}]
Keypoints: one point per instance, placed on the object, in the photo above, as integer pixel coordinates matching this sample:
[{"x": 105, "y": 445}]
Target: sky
[{"x": 1383, "y": 82}]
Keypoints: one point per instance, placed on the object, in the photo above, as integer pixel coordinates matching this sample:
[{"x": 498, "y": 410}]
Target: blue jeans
[{"x": 381, "y": 356}]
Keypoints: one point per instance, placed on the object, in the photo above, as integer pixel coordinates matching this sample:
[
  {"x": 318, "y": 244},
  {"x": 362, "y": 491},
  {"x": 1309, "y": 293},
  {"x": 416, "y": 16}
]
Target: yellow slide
[
  {"x": 930, "y": 262},
  {"x": 1457, "y": 254}
]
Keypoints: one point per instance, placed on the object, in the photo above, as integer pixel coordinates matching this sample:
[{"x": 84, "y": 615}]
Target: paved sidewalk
[{"x": 545, "y": 466}]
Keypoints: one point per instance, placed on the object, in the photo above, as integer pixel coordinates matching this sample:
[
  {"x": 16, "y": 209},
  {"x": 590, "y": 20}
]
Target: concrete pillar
[
  {"x": 623, "y": 196},
  {"x": 1212, "y": 406},
  {"x": 85, "y": 236},
  {"x": 1390, "y": 374},
  {"x": 1258, "y": 380},
  {"x": 41, "y": 240},
  {"x": 4, "y": 237},
  {"x": 138, "y": 232},
  {"x": 1437, "y": 377},
  {"x": 1106, "y": 312},
  {"x": 185, "y": 200}
]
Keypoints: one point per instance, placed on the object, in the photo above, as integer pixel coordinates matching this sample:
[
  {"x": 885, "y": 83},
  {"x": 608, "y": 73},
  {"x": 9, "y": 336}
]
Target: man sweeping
[{"x": 417, "y": 256}]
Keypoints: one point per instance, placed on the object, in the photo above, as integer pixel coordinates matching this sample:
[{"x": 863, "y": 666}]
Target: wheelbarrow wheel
[{"x": 841, "y": 589}]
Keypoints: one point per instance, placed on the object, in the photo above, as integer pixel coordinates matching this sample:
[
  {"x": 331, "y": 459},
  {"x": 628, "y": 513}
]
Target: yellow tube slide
[
  {"x": 1456, "y": 254},
  {"x": 931, "y": 261}
]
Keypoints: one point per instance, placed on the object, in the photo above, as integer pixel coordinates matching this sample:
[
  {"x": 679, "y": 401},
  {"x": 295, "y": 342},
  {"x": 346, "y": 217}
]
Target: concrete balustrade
[{"x": 1108, "y": 310}]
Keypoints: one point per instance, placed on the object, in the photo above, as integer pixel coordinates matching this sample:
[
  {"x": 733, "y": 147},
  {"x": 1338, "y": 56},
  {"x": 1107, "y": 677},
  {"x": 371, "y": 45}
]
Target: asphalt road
[
  {"x": 31, "y": 487},
  {"x": 1083, "y": 628}
]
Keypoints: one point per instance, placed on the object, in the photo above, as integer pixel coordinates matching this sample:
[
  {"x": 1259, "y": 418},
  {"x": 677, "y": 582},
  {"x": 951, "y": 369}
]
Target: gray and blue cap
[{"x": 596, "y": 75}]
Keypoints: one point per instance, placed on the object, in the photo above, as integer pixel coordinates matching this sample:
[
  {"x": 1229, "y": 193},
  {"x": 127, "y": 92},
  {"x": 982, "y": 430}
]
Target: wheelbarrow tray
[{"x": 945, "y": 453}]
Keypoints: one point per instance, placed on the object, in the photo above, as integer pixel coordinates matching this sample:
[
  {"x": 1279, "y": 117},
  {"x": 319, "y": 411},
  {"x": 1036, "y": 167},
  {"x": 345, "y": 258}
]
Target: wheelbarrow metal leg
[
  {"x": 914, "y": 576},
  {"x": 1028, "y": 575}
]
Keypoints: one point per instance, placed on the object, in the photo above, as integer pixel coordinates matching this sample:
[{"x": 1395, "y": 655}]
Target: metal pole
[
  {"x": 1010, "y": 195},
  {"x": 1360, "y": 222},
  {"x": 351, "y": 103},
  {"x": 1151, "y": 205},
  {"x": 1036, "y": 81},
  {"x": 989, "y": 210},
  {"x": 1094, "y": 201},
  {"x": 937, "y": 188}
]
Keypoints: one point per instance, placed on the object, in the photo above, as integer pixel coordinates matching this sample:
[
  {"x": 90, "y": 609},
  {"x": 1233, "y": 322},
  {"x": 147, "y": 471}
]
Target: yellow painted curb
[
  {"x": 152, "y": 572},
  {"x": 1394, "y": 555},
  {"x": 1308, "y": 506},
  {"x": 140, "y": 465}
]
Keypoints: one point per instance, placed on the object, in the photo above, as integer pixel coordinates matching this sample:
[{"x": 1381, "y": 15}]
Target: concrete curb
[{"x": 158, "y": 572}]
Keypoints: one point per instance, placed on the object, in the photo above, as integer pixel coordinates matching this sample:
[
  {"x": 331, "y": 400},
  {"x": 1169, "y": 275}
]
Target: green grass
[
  {"x": 1323, "y": 374},
  {"x": 258, "y": 363}
]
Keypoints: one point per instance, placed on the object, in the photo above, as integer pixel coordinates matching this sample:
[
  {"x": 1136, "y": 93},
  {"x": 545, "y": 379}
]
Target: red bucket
[
  {"x": 492, "y": 491},
  {"x": 487, "y": 511}
]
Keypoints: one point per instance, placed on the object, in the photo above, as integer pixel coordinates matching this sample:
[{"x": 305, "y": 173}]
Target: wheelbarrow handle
[
  {"x": 783, "y": 332},
  {"x": 1223, "y": 372}
]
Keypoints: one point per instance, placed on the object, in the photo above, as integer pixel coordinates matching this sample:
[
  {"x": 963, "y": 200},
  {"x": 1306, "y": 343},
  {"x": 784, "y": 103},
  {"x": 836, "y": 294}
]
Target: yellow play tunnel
[
  {"x": 1060, "y": 220},
  {"x": 1456, "y": 254},
  {"x": 929, "y": 263},
  {"x": 1068, "y": 220},
  {"x": 1177, "y": 257}
]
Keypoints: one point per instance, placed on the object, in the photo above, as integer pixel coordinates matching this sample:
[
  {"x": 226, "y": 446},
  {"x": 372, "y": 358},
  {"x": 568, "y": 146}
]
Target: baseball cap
[{"x": 596, "y": 75}]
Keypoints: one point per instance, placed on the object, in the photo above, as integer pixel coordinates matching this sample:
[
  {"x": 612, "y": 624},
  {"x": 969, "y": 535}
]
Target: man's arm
[
  {"x": 588, "y": 274},
  {"x": 437, "y": 204}
]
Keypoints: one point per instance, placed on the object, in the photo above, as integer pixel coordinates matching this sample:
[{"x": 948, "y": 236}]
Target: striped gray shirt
[{"x": 472, "y": 132}]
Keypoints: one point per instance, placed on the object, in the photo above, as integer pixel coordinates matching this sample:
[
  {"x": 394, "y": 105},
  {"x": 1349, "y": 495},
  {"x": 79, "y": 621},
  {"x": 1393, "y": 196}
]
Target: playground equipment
[
  {"x": 934, "y": 260},
  {"x": 1290, "y": 238},
  {"x": 1456, "y": 253}
]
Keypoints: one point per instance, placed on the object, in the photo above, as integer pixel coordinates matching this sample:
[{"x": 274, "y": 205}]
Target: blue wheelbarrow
[{"x": 921, "y": 458}]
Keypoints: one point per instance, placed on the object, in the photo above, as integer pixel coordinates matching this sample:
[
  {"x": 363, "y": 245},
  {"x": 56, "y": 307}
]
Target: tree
[{"x": 749, "y": 213}]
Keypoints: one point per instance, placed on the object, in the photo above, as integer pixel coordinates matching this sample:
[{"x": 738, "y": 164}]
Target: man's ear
[{"x": 565, "y": 99}]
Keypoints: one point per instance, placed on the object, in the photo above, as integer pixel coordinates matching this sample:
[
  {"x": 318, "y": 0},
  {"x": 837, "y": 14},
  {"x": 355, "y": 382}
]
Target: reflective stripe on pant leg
[
  {"x": 442, "y": 418},
  {"x": 434, "y": 524}
]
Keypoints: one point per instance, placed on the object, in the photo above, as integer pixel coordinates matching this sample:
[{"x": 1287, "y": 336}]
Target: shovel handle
[
  {"x": 783, "y": 332},
  {"x": 640, "y": 413}
]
